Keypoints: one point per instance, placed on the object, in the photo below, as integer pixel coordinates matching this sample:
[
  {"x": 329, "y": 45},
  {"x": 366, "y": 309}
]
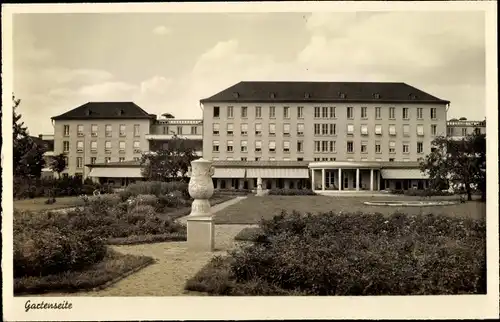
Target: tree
[
  {"x": 58, "y": 164},
  {"x": 27, "y": 154},
  {"x": 458, "y": 161},
  {"x": 169, "y": 163}
]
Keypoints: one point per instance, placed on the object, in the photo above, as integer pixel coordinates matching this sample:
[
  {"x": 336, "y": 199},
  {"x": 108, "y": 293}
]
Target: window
[
  {"x": 79, "y": 162},
  {"x": 350, "y": 113},
  {"x": 420, "y": 147},
  {"x": 137, "y": 147},
  {"x": 65, "y": 146},
  {"x": 230, "y": 112},
  {"x": 324, "y": 112},
  {"x": 317, "y": 129},
  {"x": 433, "y": 113},
  {"x": 272, "y": 146},
  {"x": 300, "y": 129},
  {"x": 179, "y": 130},
  {"x": 378, "y": 129},
  {"x": 136, "y": 159},
  {"x": 378, "y": 114},
  {"x": 229, "y": 146},
  {"x": 350, "y": 129},
  {"x": 350, "y": 147},
  {"x": 406, "y": 148},
  {"x": 108, "y": 130},
  {"x": 406, "y": 130},
  {"x": 107, "y": 146},
  {"x": 286, "y": 146},
  {"x": 230, "y": 129},
  {"x": 137, "y": 131},
  {"x": 378, "y": 159},
  {"x": 464, "y": 131},
  {"x": 450, "y": 131},
  {"x": 66, "y": 130},
  {"x": 258, "y": 147},
  {"x": 324, "y": 146},
  {"x": 272, "y": 129},
  {"x": 392, "y": 129},
  {"x": 122, "y": 146},
  {"x": 79, "y": 130},
  {"x": 93, "y": 160},
  {"x": 317, "y": 112},
  {"x": 244, "y": 146},
  {"x": 333, "y": 129},
  {"x": 258, "y": 129},
  {"x": 230, "y": 159},
  {"x": 392, "y": 147},
  {"x": 215, "y": 159},
  {"x": 420, "y": 130},
  {"x": 364, "y": 129},
  {"x": 420, "y": 113},
  {"x": 433, "y": 129},
  {"x": 243, "y": 158},
  {"x": 272, "y": 111},
  {"x": 300, "y": 146},
  {"x": 406, "y": 113},
  {"x": 317, "y": 146},
  {"x": 332, "y": 146},
  {"x": 122, "y": 130},
  {"x": 93, "y": 130},
  {"x": 332, "y": 112},
  {"x": 364, "y": 159},
  {"x": 244, "y": 111},
  {"x": 215, "y": 128},
  {"x": 79, "y": 146},
  {"x": 194, "y": 130},
  {"x": 378, "y": 147},
  {"x": 317, "y": 159},
  {"x": 216, "y": 112},
  {"x": 215, "y": 146},
  {"x": 391, "y": 159},
  {"x": 364, "y": 115},
  {"x": 286, "y": 129},
  {"x": 272, "y": 159},
  {"x": 364, "y": 147},
  {"x": 258, "y": 158},
  {"x": 300, "y": 112},
  {"x": 107, "y": 160},
  {"x": 121, "y": 159},
  {"x": 258, "y": 112},
  {"x": 300, "y": 159},
  {"x": 477, "y": 131},
  {"x": 93, "y": 146},
  {"x": 244, "y": 128},
  {"x": 286, "y": 112},
  {"x": 406, "y": 160},
  {"x": 392, "y": 112},
  {"x": 324, "y": 129}
]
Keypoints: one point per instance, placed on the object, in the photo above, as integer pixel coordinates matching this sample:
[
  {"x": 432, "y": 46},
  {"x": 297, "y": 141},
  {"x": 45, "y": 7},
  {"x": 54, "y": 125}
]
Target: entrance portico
[{"x": 345, "y": 176}]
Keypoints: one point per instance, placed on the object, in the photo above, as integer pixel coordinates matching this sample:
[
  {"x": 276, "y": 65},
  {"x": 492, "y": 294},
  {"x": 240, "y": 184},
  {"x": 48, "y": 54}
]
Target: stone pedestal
[
  {"x": 259, "y": 193},
  {"x": 200, "y": 223}
]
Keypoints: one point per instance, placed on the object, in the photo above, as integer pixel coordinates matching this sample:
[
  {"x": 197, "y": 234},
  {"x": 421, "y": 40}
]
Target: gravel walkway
[{"x": 175, "y": 264}]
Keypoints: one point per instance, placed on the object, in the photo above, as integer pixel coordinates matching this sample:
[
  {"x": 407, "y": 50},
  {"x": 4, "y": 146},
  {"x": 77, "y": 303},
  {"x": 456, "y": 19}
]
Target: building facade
[{"x": 458, "y": 129}]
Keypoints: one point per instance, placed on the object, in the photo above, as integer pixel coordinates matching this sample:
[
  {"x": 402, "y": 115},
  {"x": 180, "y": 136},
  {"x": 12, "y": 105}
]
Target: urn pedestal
[
  {"x": 259, "y": 193},
  {"x": 200, "y": 223}
]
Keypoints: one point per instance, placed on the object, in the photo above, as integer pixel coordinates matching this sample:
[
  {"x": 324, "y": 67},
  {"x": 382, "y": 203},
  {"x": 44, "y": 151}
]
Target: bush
[
  {"x": 253, "y": 234},
  {"x": 25, "y": 188},
  {"x": 421, "y": 192},
  {"x": 355, "y": 254},
  {"x": 291, "y": 192},
  {"x": 232, "y": 191},
  {"x": 156, "y": 188}
]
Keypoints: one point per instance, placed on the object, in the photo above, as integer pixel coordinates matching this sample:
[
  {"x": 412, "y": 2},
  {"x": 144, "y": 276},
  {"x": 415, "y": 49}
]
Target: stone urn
[{"x": 201, "y": 187}]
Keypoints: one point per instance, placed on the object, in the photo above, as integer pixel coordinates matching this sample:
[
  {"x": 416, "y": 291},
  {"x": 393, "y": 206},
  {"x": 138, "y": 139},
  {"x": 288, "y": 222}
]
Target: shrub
[
  {"x": 356, "y": 254},
  {"x": 426, "y": 192},
  {"x": 50, "y": 187},
  {"x": 291, "y": 192},
  {"x": 171, "y": 201},
  {"x": 232, "y": 191},
  {"x": 253, "y": 234},
  {"x": 156, "y": 188}
]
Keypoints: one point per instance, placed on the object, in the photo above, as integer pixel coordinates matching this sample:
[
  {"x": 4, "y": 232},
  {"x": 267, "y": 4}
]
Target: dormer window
[
  {"x": 376, "y": 95},
  {"x": 88, "y": 112},
  {"x": 307, "y": 95},
  {"x": 273, "y": 95},
  {"x": 412, "y": 96},
  {"x": 236, "y": 94},
  {"x": 342, "y": 95}
]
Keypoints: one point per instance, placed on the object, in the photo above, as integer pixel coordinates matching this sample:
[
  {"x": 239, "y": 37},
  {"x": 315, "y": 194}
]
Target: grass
[
  {"x": 38, "y": 204},
  {"x": 252, "y": 209},
  {"x": 114, "y": 267}
]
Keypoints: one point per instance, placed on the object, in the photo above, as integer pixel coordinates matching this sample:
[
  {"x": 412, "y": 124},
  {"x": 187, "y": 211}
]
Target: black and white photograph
[{"x": 257, "y": 152}]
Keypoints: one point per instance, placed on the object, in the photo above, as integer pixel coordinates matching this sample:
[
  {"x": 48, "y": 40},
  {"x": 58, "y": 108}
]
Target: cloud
[
  {"x": 157, "y": 85},
  {"x": 161, "y": 30}
]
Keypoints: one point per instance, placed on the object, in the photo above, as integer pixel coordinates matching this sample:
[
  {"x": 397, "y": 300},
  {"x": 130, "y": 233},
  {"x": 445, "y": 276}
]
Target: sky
[{"x": 167, "y": 62}]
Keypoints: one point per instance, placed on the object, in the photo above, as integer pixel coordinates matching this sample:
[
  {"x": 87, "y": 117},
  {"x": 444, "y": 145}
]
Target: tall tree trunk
[{"x": 469, "y": 193}]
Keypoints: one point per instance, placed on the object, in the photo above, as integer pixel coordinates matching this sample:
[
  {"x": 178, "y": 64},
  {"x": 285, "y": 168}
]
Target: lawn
[
  {"x": 252, "y": 209},
  {"x": 38, "y": 204}
]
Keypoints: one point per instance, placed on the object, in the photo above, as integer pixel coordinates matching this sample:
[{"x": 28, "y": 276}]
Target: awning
[
  {"x": 403, "y": 174},
  {"x": 117, "y": 172},
  {"x": 229, "y": 173},
  {"x": 294, "y": 173}
]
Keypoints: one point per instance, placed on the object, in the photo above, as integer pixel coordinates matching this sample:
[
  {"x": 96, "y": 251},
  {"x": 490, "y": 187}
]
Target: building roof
[
  {"x": 105, "y": 110},
  {"x": 287, "y": 91}
]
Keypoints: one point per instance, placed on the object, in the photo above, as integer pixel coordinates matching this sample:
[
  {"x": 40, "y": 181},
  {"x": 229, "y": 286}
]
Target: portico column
[
  {"x": 357, "y": 179},
  {"x": 322, "y": 179},
  {"x": 312, "y": 180},
  {"x": 340, "y": 179},
  {"x": 371, "y": 179},
  {"x": 378, "y": 179}
]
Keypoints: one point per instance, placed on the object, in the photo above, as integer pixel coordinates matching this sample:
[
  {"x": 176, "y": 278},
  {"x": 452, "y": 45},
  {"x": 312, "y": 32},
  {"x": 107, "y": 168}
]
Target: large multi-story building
[
  {"x": 358, "y": 132},
  {"x": 458, "y": 129}
]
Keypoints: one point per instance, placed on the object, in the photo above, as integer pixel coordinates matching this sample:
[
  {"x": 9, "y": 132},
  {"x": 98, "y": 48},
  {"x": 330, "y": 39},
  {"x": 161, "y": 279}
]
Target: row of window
[
  {"x": 122, "y": 146},
  {"x": 93, "y": 160},
  {"x": 302, "y": 159},
  {"x": 167, "y": 130},
  {"x": 108, "y": 130},
  {"x": 319, "y": 146},
  {"x": 451, "y": 131},
  {"x": 326, "y": 112},
  {"x": 319, "y": 129}
]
